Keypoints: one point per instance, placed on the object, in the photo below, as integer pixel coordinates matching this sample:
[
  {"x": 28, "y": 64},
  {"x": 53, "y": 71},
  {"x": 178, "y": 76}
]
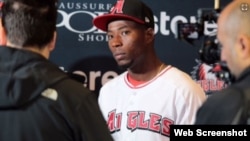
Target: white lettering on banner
[
  {"x": 90, "y": 80},
  {"x": 210, "y": 28},
  {"x": 162, "y": 28},
  {"x": 91, "y": 37},
  {"x": 164, "y": 23},
  {"x": 164, "y": 19},
  {"x": 84, "y": 6},
  {"x": 67, "y": 17}
]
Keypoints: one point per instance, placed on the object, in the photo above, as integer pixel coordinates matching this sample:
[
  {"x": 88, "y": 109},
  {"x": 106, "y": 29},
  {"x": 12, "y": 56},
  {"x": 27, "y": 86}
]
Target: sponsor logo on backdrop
[
  {"x": 93, "y": 72},
  {"x": 92, "y": 78},
  {"x": 203, "y": 75},
  {"x": 77, "y": 18}
]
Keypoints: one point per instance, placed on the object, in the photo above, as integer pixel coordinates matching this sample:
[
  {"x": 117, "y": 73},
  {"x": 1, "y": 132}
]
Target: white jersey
[{"x": 145, "y": 112}]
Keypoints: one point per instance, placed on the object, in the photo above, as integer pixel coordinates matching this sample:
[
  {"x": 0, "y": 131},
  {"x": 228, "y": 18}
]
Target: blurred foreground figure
[
  {"x": 231, "y": 105},
  {"x": 38, "y": 101}
]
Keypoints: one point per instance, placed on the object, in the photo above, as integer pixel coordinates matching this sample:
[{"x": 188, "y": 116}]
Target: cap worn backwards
[{"x": 133, "y": 10}]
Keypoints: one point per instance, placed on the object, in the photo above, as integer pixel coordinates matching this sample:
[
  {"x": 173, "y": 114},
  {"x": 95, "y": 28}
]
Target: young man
[
  {"x": 38, "y": 101},
  {"x": 142, "y": 103},
  {"x": 231, "y": 105}
]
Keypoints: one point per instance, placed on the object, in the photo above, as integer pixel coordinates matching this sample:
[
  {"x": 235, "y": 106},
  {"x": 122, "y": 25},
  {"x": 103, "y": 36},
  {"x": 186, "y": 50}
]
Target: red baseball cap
[{"x": 133, "y": 10}]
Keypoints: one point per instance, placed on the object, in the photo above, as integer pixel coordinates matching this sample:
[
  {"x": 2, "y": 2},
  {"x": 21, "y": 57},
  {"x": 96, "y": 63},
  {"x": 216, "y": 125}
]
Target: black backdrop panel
[{"x": 82, "y": 49}]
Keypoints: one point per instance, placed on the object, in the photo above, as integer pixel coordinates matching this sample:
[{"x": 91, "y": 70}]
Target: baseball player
[{"x": 142, "y": 103}]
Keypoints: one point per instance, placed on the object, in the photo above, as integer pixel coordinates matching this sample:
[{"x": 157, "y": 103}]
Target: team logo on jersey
[{"x": 205, "y": 75}]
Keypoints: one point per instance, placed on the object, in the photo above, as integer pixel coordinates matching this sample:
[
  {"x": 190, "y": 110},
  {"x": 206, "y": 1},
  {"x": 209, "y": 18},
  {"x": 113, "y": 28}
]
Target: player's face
[{"x": 127, "y": 42}]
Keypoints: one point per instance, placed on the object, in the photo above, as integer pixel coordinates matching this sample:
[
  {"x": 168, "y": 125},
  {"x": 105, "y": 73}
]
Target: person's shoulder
[
  {"x": 220, "y": 107},
  {"x": 114, "y": 84},
  {"x": 179, "y": 77},
  {"x": 178, "y": 72},
  {"x": 183, "y": 83},
  {"x": 227, "y": 95},
  {"x": 116, "y": 80},
  {"x": 72, "y": 88}
]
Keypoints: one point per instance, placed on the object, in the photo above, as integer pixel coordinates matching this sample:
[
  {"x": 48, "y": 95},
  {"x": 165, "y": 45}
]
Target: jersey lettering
[
  {"x": 137, "y": 120},
  {"x": 142, "y": 124},
  {"x": 166, "y": 126},
  {"x": 114, "y": 121},
  {"x": 132, "y": 120},
  {"x": 155, "y": 122}
]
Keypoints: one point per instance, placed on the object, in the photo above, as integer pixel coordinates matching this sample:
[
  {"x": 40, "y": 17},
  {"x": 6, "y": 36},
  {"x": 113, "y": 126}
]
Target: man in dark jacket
[
  {"x": 38, "y": 101},
  {"x": 231, "y": 105}
]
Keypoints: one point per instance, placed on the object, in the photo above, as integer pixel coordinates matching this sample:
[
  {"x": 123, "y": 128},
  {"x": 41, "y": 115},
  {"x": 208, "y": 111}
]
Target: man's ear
[
  {"x": 244, "y": 46},
  {"x": 150, "y": 35},
  {"x": 52, "y": 44}
]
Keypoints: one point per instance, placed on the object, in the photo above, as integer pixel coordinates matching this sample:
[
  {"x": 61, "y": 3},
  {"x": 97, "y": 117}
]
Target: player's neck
[{"x": 139, "y": 78}]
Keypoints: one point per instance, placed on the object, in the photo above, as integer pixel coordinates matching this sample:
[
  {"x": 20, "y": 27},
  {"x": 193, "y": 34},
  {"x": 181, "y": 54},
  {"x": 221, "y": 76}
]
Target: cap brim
[{"x": 102, "y": 22}]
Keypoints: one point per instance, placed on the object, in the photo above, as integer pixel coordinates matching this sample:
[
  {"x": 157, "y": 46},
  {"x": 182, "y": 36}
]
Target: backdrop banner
[{"x": 82, "y": 49}]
